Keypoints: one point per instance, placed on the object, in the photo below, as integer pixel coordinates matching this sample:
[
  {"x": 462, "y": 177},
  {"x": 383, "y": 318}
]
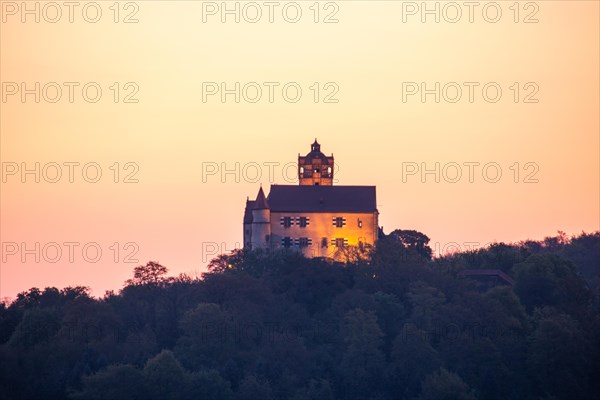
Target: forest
[{"x": 392, "y": 322}]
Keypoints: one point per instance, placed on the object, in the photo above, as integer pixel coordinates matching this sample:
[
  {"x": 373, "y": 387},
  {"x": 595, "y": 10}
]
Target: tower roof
[
  {"x": 315, "y": 147},
  {"x": 315, "y": 152},
  {"x": 261, "y": 202}
]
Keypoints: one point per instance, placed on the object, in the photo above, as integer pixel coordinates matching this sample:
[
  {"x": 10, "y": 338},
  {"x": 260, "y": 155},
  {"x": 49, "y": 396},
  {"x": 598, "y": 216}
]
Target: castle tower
[
  {"x": 261, "y": 222},
  {"x": 248, "y": 223},
  {"x": 315, "y": 168}
]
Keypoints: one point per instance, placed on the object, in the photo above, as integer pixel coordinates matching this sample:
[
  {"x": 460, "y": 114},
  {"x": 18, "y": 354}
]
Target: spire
[
  {"x": 261, "y": 201},
  {"x": 315, "y": 146}
]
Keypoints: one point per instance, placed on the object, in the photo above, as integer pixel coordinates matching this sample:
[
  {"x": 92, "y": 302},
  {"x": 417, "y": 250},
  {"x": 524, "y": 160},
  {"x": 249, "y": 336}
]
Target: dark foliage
[{"x": 391, "y": 323}]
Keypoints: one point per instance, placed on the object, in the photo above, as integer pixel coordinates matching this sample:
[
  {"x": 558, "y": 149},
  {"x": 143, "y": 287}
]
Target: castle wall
[{"x": 321, "y": 226}]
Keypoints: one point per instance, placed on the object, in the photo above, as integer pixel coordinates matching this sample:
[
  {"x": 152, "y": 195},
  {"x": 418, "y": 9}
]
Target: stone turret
[
  {"x": 315, "y": 169},
  {"x": 261, "y": 222}
]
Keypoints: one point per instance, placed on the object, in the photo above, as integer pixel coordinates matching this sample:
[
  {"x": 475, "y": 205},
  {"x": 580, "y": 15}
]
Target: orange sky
[{"x": 170, "y": 136}]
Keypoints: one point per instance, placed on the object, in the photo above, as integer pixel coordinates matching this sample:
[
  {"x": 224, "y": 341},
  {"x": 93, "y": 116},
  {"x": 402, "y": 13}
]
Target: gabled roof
[{"x": 305, "y": 198}]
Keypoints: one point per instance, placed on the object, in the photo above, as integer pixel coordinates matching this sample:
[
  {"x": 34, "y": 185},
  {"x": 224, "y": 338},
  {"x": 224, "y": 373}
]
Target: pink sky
[{"x": 165, "y": 205}]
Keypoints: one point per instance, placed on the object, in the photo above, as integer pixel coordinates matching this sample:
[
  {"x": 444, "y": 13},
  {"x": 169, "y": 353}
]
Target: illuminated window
[{"x": 359, "y": 223}]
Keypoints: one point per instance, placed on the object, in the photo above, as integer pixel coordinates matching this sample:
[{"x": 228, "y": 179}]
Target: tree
[
  {"x": 252, "y": 389},
  {"x": 318, "y": 389},
  {"x": 549, "y": 280},
  {"x": 205, "y": 336},
  {"x": 164, "y": 377},
  {"x": 559, "y": 355},
  {"x": 413, "y": 359},
  {"x": 426, "y": 302},
  {"x": 209, "y": 384},
  {"x": 277, "y": 325},
  {"x": 150, "y": 274},
  {"x": 37, "y": 325},
  {"x": 390, "y": 313},
  {"x": 414, "y": 241},
  {"x": 116, "y": 382},
  {"x": 444, "y": 385},
  {"x": 358, "y": 255},
  {"x": 363, "y": 362}
]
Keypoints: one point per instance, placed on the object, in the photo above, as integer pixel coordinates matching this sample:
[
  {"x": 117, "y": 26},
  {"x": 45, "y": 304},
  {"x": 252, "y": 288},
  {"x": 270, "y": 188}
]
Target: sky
[{"x": 134, "y": 131}]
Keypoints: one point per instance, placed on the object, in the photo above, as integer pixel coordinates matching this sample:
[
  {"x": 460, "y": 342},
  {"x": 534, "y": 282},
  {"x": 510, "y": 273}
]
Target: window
[
  {"x": 302, "y": 222},
  {"x": 267, "y": 238},
  {"x": 360, "y": 223},
  {"x": 339, "y": 222},
  {"x": 304, "y": 242},
  {"x": 286, "y": 242},
  {"x": 340, "y": 242},
  {"x": 286, "y": 222},
  {"x": 324, "y": 242}
]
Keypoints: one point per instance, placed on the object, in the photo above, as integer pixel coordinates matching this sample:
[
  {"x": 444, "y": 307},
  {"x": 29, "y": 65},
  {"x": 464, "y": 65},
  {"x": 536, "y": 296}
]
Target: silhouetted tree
[
  {"x": 444, "y": 385},
  {"x": 164, "y": 378},
  {"x": 150, "y": 274},
  {"x": 209, "y": 384},
  {"x": 117, "y": 382},
  {"x": 276, "y": 325}
]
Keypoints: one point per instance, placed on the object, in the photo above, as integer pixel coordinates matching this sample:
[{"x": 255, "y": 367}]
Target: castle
[{"x": 314, "y": 217}]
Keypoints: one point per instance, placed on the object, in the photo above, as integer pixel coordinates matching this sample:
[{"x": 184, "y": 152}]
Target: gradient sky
[{"x": 179, "y": 217}]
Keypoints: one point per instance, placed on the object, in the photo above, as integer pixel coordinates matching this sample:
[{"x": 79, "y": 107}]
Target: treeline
[{"x": 390, "y": 323}]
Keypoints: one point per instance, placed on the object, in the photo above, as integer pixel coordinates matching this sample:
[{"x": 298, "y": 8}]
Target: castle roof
[{"x": 297, "y": 198}]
